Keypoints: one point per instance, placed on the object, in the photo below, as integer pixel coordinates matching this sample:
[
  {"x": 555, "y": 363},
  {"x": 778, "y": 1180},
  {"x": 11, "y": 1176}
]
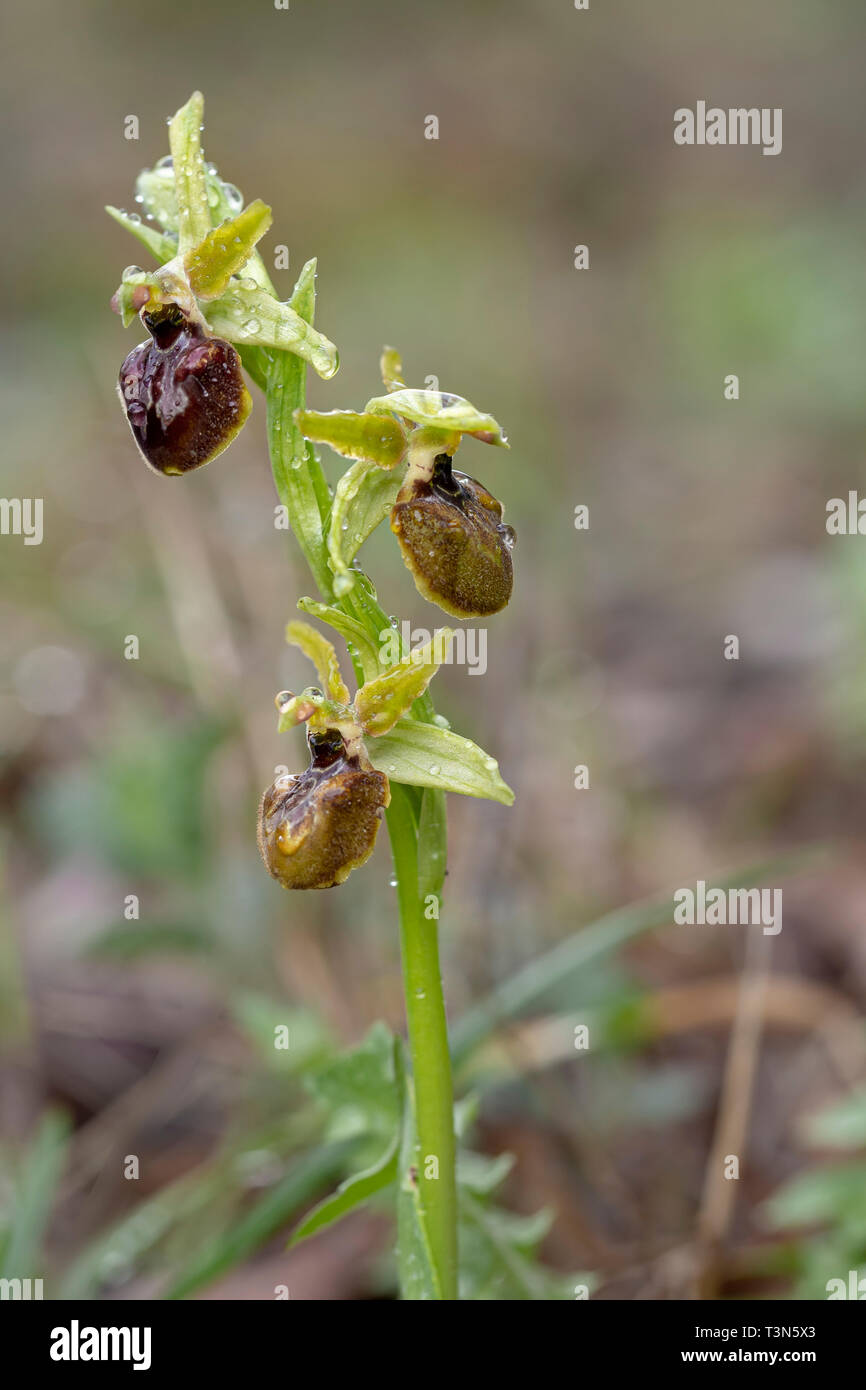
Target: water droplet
[
  {"x": 252, "y": 326},
  {"x": 233, "y": 197},
  {"x": 441, "y": 722},
  {"x": 139, "y": 197},
  {"x": 508, "y": 534},
  {"x": 435, "y": 770},
  {"x": 166, "y": 162},
  {"x": 130, "y": 271},
  {"x": 392, "y": 882},
  {"x": 284, "y": 698}
]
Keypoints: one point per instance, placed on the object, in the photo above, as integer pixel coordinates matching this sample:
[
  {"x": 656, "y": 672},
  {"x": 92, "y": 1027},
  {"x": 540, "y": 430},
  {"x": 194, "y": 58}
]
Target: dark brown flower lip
[
  {"x": 316, "y": 827},
  {"x": 454, "y": 541},
  {"x": 183, "y": 393}
]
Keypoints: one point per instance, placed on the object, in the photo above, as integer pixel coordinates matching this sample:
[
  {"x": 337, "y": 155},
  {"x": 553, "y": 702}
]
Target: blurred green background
[{"x": 707, "y": 516}]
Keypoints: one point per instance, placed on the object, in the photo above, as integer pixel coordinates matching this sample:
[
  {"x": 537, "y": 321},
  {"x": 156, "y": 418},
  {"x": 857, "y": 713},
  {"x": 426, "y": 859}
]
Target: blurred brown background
[{"x": 707, "y": 518}]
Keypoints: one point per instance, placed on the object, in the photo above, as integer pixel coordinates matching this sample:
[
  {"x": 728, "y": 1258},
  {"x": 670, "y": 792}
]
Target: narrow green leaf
[
  {"x": 33, "y": 1196},
  {"x": 385, "y": 699},
  {"x": 511, "y": 998},
  {"x": 304, "y": 1180},
  {"x": 351, "y": 1193},
  {"x": 426, "y": 756},
  {"x": 432, "y": 844},
  {"x": 298, "y": 476},
  {"x": 363, "y": 498},
  {"x": 419, "y": 1280},
  {"x": 841, "y": 1125},
  {"x": 160, "y": 246},
  {"x": 225, "y": 250},
  {"x": 184, "y": 138}
]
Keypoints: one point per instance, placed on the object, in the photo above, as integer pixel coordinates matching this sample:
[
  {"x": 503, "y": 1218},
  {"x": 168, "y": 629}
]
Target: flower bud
[
  {"x": 183, "y": 393},
  {"x": 454, "y": 541},
  {"x": 314, "y": 829}
]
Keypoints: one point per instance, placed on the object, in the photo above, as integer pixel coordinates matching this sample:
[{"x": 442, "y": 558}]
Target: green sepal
[
  {"x": 248, "y": 314},
  {"x": 368, "y": 438},
  {"x": 440, "y": 411},
  {"x": 225, "y": 250},
  {"x": 321, "y": 652},
  {"x": 355, "y": 635},
  {"x": 363, "y": 498},
  {"x": 184, "y": 138},
  {"x": 162, "y": 247},
  {"x": 391, "y": 369},
  {"x": 423, "y": 755},
  {"x": 382, "y": 701},
  {"x": 298, "y": 710}
]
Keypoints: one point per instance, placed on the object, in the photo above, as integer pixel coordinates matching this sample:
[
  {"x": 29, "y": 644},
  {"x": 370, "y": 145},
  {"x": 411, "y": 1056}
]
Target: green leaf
[
  {"x": 225, "y": 250},
  {"x": 833, "y": 1193},
  {"x": 842, "y": 1125},
  {"x": 419, "y": 1280},
  {"x": 426, "y": 756},
  {"x": 160, "y": 246},
  {"x": 481, "y": 1174},
  {"x": 497, "y": 1255},
  {"x": 440, "y": 410},
  {"x": 432, "y": 844},
  {"x": 363, "y": 498},
  {"x": 298, "y": 476},
  {"x": 303, "y": 1181},
  {"x": 359, "y": 1088},
  {"x": 310, "y": 1044},
  {"x": 248, "y": 314},
  {"x": 382, "y": 701},
  {"x": 570, "y": 957},
  {"x": 372, "y": 439},
  {"x": 351, "y": 1193},
  {"x": 136, "y": 940},
  {"x": 354, "y": 633},
  {"x": 33, "y": 1195},
  {"x": 184, "y": 138}
]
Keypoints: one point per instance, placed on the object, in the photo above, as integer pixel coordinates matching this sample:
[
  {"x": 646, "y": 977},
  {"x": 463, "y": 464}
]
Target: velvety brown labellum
[
  {"x": 183, "y": 393},
  {"x": 314, "y": 829},
  {"x": 454, "y": 541}
]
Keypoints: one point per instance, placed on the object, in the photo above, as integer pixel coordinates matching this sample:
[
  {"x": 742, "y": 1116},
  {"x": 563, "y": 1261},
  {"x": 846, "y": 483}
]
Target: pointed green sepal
[
  {"x": 391, "y": 368},
  {"x": 354, "y": 634},
  {"x": 440, "y": 410},
  {"x": 252, "y": 316},
  {"x": 320, "y": 651},
  {"x": 381, "y": 702},
  {"x": 224, "y": 251},
  {"x": 193, "y": 208},
  {"x": 368, "y": 438},
  {"x": 158, "y": 244}
]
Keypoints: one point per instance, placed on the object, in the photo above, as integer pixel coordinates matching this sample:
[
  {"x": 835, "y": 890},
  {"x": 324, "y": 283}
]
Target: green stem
[
  {"x": 428, "y": 1046},
  {"x": 415, "y": 818}
]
